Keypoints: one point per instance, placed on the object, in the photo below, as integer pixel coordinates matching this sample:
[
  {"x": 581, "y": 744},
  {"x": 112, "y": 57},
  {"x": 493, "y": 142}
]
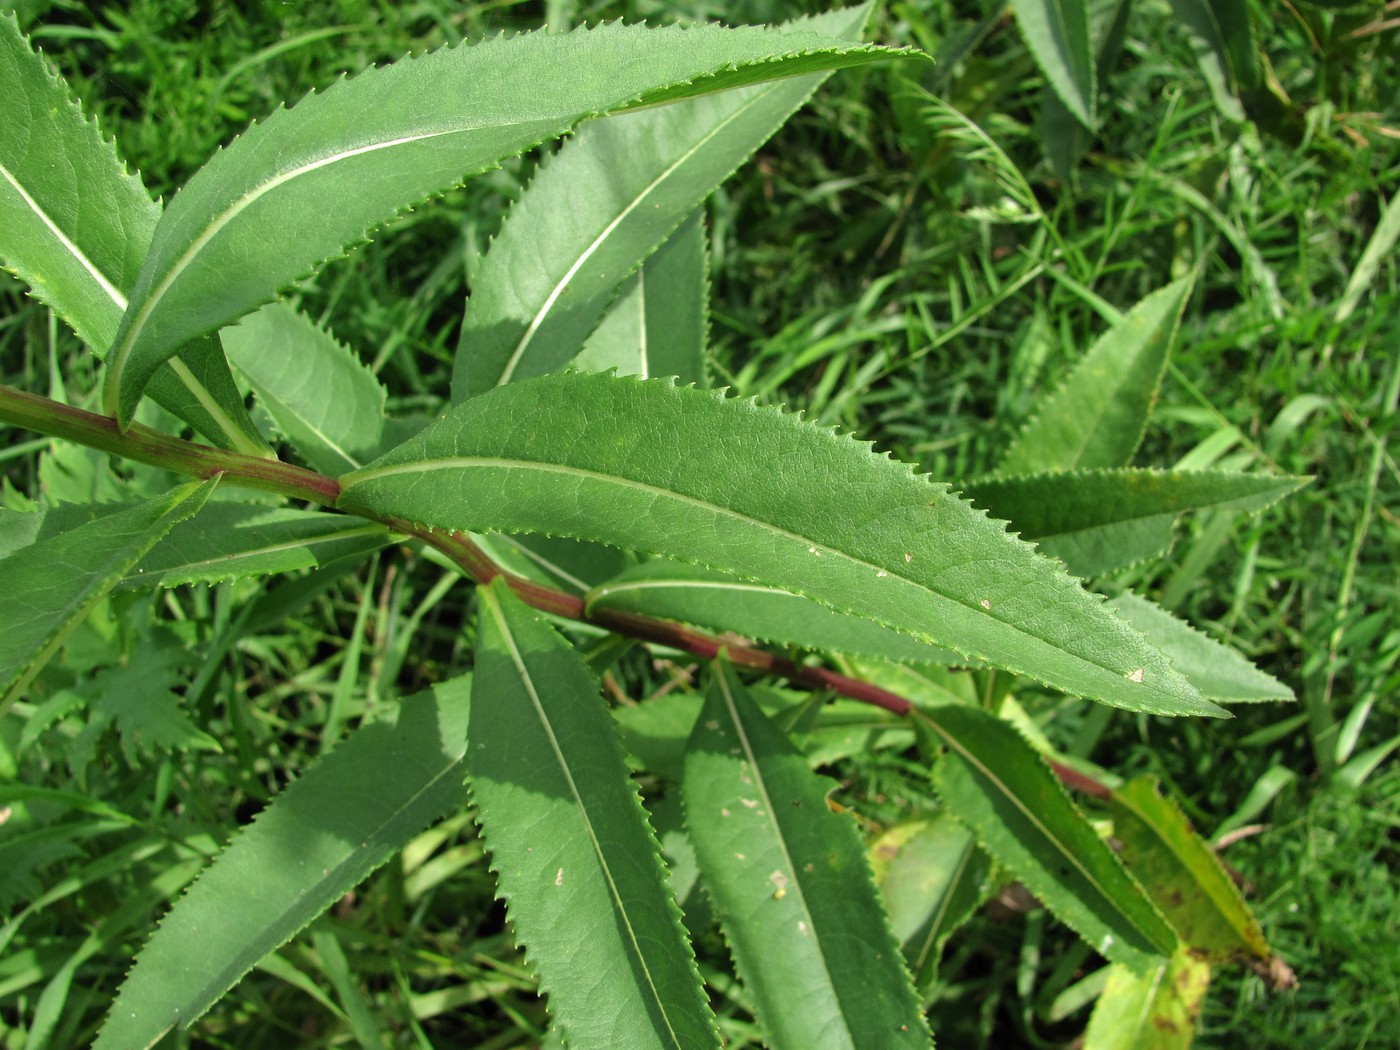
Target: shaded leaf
[
  {"x": 719, "y": 602},
  {"x": 326, "y": 832},
  {"x": 1096, "y": 521},
  {"x": 1097, "y": 416},
  {"x": 933, "y": 876},
  {"x": 231, "y": 540},
  {"x": 1220, "y": 673},
  {"x": 50, "y": 586},
  {"x": 254, "y": 218},
  {"x": 999, "y": 786},
  {"x": 791, "y": 887},
  {"x": 628, "y": 182},
  {"x": 1183, "y": 875},
  {"x": 75, "y": 225},
  {"x": 1224, "y": 44},
  {"x": 1057, "y": 33},
  {"x": 577, "y": 865},
  {"x": 689, "y": 474},
  {"x": 658, "y": 325},
  {"x": 320, "y": 395},
  {"x": 1155, "y": 1010}
]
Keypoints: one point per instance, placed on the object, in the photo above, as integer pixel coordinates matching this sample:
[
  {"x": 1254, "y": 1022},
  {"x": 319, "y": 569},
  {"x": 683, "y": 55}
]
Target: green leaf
[
  {"x": 689, "y": 474},
  {"x": 50, "y": 586},
  {"x": 325, "y": 833},
  {"x": 1097, "y": 416},
  {"x": 1155, "y": 1010},
  {"x": 1183, "y": 875},
  {"x": 601, "y": 206},
  {"x": 791, "y": 886},
  {"x": 999, "y": 786},
  {"x": 577, "y": 864},
  {"x": 74, "y": 225},
  {"x": 1057, "y": 32},
  {"x": 932, "y": 876},
  {"x": 658, "y": 326},
  {"x": 254, "y": 218},
  {"x": 227, "y": 541},
  {"x": 1220, "y": 673},
  {"x": 1096, "y": 521},
  {"x": 320, "y": 395},
  {"x": 719, "y": 602},
  {"x": 1224, "y": 44}
]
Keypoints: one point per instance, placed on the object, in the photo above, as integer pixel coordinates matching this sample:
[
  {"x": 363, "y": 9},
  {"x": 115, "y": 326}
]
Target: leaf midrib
[{"x": 348, "y": 481}]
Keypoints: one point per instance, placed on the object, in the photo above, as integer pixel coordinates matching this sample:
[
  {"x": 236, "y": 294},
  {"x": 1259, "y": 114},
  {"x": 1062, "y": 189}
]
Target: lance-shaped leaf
[
  {"x": 577, "y": 865},
  {"x": 1096, "y": 521},
  {"x": 50, "y": 586},
  {"x": 659, "y": 323},
  {"x": 1154, "y": 1010},
  {"x": 694, "y": 476},
  {"x": 1219, "y": 672},
  {"x": 228, "y": 541},
  {"x": 999, "y": 786},
  {"x": 598, "y": 208},
  {"x": 320, "y": 837},
  {"x": 1057, "y": 32},
  {"x": 1097, "y": 416},
  {"x": 308, "y": 182},
  {"x": 1183, "y": 875},
  {"x": 719, "y": 602},
  {"x": 791, "y": 886},
  {"x": 320, "y": 395},
  {"x": 74, "y": 225},
  {"x": 1224, "y": 44},
  {"x": 932, "y": 876}
]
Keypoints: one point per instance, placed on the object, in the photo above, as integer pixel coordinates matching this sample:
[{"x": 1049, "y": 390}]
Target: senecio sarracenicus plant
[{"x": 579, "y": 409}]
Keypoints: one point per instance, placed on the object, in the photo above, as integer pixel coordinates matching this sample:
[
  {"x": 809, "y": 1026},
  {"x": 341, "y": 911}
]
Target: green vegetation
[{"x": 1134, "y": 342}]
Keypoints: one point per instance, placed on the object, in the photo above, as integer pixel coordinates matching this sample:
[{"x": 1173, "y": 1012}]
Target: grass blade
[
  {"x": 320, "y": 837},
  {"x": 689, "y": 474},
  {"x": 576, "y": 862},
  {"x": 791, "y": 886}
]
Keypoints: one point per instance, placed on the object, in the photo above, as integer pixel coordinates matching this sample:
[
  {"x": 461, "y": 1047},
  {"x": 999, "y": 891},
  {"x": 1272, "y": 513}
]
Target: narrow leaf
[
  {"x": 598, "y": 208},
  {"x": 719, "y": 602},
  {"x": 50, "y": 586},
  {"x": 691, "y": 475},
  {"x": 997, "y": 784},
  {"x": 254, "y": 218},
  {"x": 658, "y": 326},
  {"x": 319, "y": 838},
  {"x": 577, "y": 864},
  {"x": 932, "y": 876},
  {"x": 1219, "y": 672},
  {"x": 791, "y": 886},
  {"x": 1224, "y": 45},
  {"x": 1155, "y": 1010},
  {"x": 74, "y": 225},
  {"x": 1057, "y": 33},
  {"x": 320, "y": 395},
  {"x": 1183, "y": 875},
  {"x": 231, "y": 540},
  {"x": 1097, "y": 416},
  {"x": 1099, "y": 520}
]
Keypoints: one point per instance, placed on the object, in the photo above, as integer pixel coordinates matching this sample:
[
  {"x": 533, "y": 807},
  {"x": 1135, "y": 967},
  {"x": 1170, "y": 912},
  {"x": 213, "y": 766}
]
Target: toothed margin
[{"x": 606, "y": 417}]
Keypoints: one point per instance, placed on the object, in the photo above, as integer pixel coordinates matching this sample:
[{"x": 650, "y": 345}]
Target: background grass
[{"x": 889, "y": 270}]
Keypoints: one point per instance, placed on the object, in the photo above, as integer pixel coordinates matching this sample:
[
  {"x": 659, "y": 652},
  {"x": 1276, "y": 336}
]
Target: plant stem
[{"x": 145, "y": 445}]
